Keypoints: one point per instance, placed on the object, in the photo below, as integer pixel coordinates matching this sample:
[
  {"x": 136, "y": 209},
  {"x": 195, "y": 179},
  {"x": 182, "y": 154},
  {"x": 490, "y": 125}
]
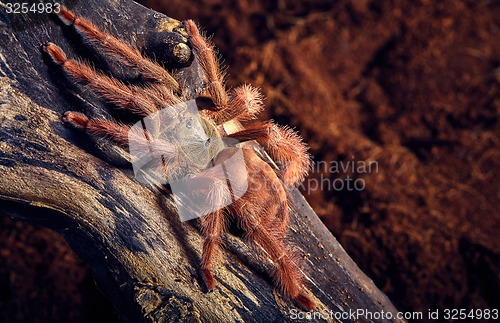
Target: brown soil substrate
[
  {"x": 41, "y": 280},
  {"x": 412, "y": 85}
]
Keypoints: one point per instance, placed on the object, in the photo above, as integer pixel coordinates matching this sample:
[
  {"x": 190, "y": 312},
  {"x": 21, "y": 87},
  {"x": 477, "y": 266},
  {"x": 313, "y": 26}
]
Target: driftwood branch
[{"x": 143, "y": 258}]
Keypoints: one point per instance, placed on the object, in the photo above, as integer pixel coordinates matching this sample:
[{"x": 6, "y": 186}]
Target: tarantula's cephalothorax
[{"x": 262, "y": 211}]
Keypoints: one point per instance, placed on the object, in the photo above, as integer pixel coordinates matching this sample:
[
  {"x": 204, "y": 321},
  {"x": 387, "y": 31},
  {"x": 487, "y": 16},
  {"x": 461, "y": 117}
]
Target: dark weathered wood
[{"x": 143, "y": 257}]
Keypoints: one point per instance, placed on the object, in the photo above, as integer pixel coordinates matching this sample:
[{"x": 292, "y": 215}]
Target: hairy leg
[
  {"x": 205, "y": 195},
  {"x": 124, "y": 136},
  {"x": 283, "y": 145},
  {"x": 137, "y": 100},
  {"x": 128, "y": 55},
  {"x": 212, "y": 226},
  {"x": 209, "y": 64},
  {"x": 246, "y": 103},
  {"x": 98, "y": 127},
  {"x": 287, "y": 274}
]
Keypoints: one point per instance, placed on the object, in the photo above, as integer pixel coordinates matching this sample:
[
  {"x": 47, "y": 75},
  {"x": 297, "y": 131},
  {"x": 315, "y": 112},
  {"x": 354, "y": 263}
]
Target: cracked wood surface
[{"x": 143, "y": 258}]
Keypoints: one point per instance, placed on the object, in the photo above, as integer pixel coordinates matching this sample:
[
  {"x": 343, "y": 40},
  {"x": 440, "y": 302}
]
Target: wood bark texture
[{"x": 143, "y": 258}]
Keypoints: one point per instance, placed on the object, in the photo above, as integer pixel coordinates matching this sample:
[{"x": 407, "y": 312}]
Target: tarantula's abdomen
[{"x": 265, "y": 195}]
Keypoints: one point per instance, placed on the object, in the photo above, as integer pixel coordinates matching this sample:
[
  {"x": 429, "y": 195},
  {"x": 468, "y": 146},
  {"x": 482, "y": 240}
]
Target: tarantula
[{"x": 262, "y": 211}]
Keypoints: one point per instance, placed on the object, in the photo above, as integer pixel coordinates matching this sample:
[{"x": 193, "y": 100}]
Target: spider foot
[
  {"x": 66, "y": 16},
  {"x": 76, "y": 119},
  {"x": 55, "y": 52},
  {"x": 304, "y": 302},
  {"x": 209, "y": 279}
]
